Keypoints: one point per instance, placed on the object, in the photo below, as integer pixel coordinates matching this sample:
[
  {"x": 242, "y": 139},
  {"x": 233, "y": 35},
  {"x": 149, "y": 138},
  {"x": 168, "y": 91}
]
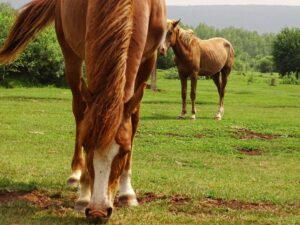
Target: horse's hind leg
[
  {"x": 193, "y": 94},
  {"x": 216, "y": 78},
  {"x": 224, "y": 75},
  {"x": 73, "y": 68},
  {"x": 73, "y": 72}
]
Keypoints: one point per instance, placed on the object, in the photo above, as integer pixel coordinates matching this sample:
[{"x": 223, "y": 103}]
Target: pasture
[{"x": 244, "y": 169}]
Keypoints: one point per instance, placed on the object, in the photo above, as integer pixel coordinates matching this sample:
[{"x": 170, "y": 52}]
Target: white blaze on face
[
  {"x": 102, "y": 167},
  {"x": 163, "y": 47}
]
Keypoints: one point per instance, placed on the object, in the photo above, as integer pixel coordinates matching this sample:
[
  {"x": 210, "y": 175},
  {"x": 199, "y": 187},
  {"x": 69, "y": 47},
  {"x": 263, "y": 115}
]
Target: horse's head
[
  {"x": 107, "y": 160},
  {"x": 170, "y": 37}
]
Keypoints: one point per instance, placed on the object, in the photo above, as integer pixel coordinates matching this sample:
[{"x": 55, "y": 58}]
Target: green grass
[{"x": 197, "y": 159}]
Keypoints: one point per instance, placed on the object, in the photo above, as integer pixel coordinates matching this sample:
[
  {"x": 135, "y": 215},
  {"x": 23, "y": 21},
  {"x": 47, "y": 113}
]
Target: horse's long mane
[
  {"x": 186, "y": 36},
  {"x": 109, "y": 30}
]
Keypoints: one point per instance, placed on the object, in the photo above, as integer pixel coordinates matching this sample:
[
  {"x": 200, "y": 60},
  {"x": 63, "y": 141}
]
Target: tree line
[{"x": 42, "y": 62}]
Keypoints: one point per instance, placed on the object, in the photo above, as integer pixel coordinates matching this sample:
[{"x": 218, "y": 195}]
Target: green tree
[
  {"x": 166, "y": 62},
  {"x": 265, "y": 64},
  {"x": 286, "y": 51}
]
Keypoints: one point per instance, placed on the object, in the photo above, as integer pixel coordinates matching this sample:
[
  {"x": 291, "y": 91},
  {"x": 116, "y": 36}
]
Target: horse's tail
[
  {"x": 109, "y": 31},
  {"x": 32, "y": 18},
  {"x": 230, "y": 58}
]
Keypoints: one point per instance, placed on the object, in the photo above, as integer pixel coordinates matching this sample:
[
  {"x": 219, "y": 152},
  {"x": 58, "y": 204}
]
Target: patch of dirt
[
  {"x": 253, "y": 152},
  {"x": 150, "y": 197},
  {"x": 177, "y": 203},
  {"x": 234, "y": 204},
  {"x": 148, "y": 86},
  {"x": 200, "y": 136},
  {"x": 246, "y": 134},
  {"x": 175, "y": 135},
  {"x": 179, "y": 199},
  {"x": 42, "y": 200}
]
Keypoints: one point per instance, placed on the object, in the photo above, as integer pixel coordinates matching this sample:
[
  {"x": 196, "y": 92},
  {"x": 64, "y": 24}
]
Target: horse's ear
[
  {"x": 135, "y": 100},
  {"x": 175, "y": 23},
  {"x": 86, "y": 94}
]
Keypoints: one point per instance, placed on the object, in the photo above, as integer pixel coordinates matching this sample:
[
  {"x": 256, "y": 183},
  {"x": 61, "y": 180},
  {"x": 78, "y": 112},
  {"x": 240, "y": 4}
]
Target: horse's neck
[{"x": 180, "y": 50}]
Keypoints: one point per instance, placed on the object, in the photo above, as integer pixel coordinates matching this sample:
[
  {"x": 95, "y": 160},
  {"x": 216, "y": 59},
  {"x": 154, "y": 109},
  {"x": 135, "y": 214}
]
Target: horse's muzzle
[
  {"x": 98, "y": 216},
  {"x": 162, "y": 51}
]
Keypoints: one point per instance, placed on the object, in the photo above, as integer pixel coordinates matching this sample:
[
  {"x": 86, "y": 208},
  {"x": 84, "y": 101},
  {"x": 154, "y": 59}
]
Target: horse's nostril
[{"x": 109, "y": 211}]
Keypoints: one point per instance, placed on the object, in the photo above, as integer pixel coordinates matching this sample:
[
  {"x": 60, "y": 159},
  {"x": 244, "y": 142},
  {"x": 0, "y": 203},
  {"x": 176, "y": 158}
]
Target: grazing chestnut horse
[
  {"x": 195, "y": 57},
  {"x": 117, "y": 39}
]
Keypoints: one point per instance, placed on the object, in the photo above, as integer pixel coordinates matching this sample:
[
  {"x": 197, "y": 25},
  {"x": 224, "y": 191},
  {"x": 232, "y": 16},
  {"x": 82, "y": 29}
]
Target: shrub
[
  {"x": 41, "y": 62},
  {"x": 290, "y": 79}
]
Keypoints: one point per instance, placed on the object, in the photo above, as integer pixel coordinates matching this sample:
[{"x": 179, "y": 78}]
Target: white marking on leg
[
  {"x": 193, "y": 117},
  {"x": 85, "y": 193},
  {"x": 220, "y": 113},
  {"x": 125, "y": 188},
  {"x": 102, "y": 167}
]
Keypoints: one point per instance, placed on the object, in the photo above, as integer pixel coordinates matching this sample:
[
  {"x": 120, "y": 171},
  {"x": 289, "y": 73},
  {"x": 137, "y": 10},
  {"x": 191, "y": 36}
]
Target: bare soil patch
[
  {"x": 177, "y": 203},
  {"x": 252, "y": 152},
  {"x": 200, "y": 136},
  {"x": 234, "y": 204},
  {"x": 246, "y": 134},
  {"x": 42, "y": 200}
]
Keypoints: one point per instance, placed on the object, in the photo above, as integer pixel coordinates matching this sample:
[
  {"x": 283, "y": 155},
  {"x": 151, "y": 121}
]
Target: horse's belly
[{"x": 73, "y": 22}]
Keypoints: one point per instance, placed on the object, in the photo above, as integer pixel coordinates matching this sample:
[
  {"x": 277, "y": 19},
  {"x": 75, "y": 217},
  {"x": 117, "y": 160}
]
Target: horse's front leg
[
  {"x": 193, "y": 94},
  {"x": 183, "y": 80}
]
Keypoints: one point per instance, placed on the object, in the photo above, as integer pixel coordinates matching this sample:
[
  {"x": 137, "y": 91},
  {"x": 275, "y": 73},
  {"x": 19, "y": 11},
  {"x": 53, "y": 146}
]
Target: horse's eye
[{"x": 169, "y": 33}]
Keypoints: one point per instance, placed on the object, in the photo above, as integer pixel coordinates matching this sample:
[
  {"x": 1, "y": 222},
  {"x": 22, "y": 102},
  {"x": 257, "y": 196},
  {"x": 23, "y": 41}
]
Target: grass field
[{"x": 244, "y": 169}]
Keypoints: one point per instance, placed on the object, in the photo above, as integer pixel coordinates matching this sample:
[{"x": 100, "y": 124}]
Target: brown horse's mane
[
  {"x": 106, "y": 66},
  {"x": 186, "y": 36}
]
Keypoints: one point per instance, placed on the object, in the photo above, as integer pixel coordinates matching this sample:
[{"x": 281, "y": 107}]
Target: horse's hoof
[
  {"x": 193, "y": 117},
  {"x": 181, "y": 117},
  {"x": 218, "y": 118},
  {"x": 81, "y": 205},
  {"x": 73, "y": 181},
  {"x": 127, "y": 201}
]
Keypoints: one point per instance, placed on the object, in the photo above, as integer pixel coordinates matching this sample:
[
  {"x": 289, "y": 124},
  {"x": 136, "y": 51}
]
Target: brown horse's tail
[
  {"x": 230, "y": 58},
  {"x": 33, "y": 17}
]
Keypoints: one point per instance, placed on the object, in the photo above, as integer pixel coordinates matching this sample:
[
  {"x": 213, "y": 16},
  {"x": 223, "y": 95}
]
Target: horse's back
[{"x": 214, "y": 55}]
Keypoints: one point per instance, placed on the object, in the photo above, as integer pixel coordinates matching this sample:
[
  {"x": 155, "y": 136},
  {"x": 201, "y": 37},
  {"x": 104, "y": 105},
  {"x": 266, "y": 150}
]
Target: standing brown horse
[
  {"x": 117, "y": 40},
  {"x": 195, "y": 57}
]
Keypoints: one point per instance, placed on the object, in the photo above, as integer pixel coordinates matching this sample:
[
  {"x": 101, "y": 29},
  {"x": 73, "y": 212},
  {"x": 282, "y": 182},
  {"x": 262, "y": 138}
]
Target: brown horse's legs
[
  {"x": 73, "y": 68},
  {"x": 183, "y": 80},
  {"x": 216, "y": 78},
  {"x": 73, "y": 71},
  {"x": 225, "y": 72},
  {"x": 85, "y": 192},
  {"x": 127, "y": 196},
  {"x": 193, "y": 94}
]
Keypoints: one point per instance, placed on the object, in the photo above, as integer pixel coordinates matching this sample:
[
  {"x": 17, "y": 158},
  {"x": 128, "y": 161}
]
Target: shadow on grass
[
  {"x": 33, "y": 98},
  {"x": 159, "y": 102},
  {"x": 9, "y": 185}
]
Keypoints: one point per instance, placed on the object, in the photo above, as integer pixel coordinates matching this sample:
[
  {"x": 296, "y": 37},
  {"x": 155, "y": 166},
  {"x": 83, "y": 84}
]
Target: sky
[
  {"x": 18, "y": 3},
  {"x": 233, "y": 2}
]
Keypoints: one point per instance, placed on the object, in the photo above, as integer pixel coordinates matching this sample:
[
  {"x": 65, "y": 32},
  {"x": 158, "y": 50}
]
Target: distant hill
[{"x": 263, "y": 19}]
